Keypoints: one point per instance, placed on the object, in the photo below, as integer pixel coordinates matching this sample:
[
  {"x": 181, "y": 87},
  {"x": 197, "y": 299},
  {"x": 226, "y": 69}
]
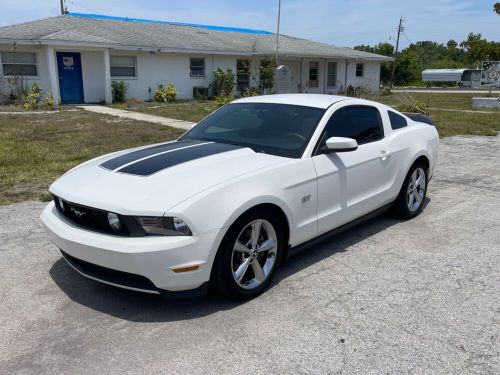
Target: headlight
[{"x": 164, "y": 226}]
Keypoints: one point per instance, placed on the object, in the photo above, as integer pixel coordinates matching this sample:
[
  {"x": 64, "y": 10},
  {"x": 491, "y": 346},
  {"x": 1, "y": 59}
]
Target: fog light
[{"x": 114, "y": 222}]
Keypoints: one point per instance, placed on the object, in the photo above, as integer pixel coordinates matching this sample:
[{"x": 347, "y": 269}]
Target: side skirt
[{"x": 338, "y": 230}]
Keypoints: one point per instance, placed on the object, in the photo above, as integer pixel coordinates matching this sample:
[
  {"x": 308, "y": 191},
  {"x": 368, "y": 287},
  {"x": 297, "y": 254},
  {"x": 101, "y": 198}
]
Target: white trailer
[{"x": 462, "y": 77}]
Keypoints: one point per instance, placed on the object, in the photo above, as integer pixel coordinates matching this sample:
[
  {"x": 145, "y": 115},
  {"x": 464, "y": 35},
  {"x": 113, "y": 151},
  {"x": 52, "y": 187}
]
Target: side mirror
[{"x": 339, "y": 144}]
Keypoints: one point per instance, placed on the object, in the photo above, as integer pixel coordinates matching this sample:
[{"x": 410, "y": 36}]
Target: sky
[{"x": 344, "y": 23}]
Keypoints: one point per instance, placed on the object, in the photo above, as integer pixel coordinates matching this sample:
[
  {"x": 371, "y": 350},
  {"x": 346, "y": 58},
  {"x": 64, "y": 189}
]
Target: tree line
[
  {"x": 419, "y": 56},
  {"x": 411, "y": 61}
]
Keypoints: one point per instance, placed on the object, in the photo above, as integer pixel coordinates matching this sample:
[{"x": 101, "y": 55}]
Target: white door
[
  {"x": 351, "y": 184},
  {"x": 295, "y": 68}
]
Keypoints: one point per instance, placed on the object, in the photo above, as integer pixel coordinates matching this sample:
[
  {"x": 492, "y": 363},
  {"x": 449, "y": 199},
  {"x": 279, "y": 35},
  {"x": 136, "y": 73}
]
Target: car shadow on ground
[{"x": 142, "y": 307}]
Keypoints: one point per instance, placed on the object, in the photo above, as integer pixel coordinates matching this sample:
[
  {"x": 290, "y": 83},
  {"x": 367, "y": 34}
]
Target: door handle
[{"x": 385, "y": 155}]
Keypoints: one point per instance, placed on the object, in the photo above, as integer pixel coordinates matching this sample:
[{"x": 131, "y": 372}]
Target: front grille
[
  {"x": 109, "y": 275},
  {"x": 90, "y": 218}
]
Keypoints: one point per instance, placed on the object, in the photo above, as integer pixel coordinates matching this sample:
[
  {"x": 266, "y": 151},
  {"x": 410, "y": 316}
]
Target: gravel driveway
[{"x": 421, "y": 296}]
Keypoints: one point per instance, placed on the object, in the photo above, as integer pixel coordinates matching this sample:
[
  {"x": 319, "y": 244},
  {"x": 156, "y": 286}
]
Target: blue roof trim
[{"x": 209, "y": 27}]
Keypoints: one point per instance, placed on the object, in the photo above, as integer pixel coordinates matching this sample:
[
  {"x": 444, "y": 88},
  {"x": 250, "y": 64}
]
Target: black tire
[
  {"x": 223, "y": 280},
  {"x": 401, "y": 205}
]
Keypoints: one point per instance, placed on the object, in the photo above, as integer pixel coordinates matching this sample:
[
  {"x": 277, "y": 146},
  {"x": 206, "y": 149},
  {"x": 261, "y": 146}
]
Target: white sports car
[{"x": 223, "y": 204}]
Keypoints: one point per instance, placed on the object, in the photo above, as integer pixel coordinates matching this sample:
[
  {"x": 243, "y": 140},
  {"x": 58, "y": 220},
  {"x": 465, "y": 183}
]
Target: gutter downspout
[
  {"x": 324, "y": 76},
  {"x": 301, "y": 85},
  {"x": 345, "y": 78}
]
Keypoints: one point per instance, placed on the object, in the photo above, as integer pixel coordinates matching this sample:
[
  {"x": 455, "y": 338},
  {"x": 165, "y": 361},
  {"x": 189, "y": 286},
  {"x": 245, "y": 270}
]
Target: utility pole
[
  {"x": 400, "y": 30},
  {"x": 278, "y": 32},
  {"x": 64, "y": 10}
]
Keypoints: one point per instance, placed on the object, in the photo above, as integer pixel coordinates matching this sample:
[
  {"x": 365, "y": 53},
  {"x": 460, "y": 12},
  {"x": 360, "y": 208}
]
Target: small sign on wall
[
  {"x": 475, "y": 78},
  {"x": 68, "y": 62},
  {"x": 283, "y": 80}
]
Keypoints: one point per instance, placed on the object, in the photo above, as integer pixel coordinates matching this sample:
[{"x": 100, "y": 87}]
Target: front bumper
[{"x": 132, "y": 262}]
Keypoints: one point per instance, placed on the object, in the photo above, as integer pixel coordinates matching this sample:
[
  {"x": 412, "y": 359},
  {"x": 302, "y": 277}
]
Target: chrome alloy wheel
[
  {"x": 254, "y": 254},
  {"x": 416, "y": 189}
]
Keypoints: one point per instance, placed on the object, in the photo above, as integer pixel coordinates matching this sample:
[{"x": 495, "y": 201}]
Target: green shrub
[
  {"x": 167, "y": 94},
  {"x": 223, "y": 82},
  {"x": 48, "y": 102},
  {"x": 222, "y": 100},
  {"x": 350, "y": 90},
  {"x": 33, "y": 96},
  {"x": 267, "y": 69},
  {"x": 119, "y": 90},
  {"x": 250, "y": 91}
]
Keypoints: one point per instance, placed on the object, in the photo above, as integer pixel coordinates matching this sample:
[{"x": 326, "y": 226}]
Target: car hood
[{"x": 151, "y": 180}]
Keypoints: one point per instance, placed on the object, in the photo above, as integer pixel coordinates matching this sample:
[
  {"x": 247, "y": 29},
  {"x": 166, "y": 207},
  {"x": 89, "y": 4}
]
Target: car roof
[{"x": 309, "y": 100}]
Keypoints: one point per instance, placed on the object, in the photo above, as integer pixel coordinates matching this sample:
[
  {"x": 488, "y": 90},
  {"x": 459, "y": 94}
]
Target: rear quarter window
[{"x": 397, "y": 121}]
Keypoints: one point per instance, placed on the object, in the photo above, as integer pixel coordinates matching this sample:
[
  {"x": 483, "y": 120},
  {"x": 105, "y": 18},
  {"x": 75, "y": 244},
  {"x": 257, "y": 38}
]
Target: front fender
[{"x": 284, "y": 186}]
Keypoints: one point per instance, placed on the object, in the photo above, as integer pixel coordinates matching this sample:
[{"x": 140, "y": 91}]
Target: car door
[{"x": 351, "y": 184}]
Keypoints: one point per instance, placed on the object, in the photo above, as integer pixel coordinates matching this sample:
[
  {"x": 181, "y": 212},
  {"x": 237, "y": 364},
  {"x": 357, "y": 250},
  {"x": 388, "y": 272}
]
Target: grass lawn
[
  {"x": 438, "y": 100},
  {"x": 192, "y": 111},
  {"x": 36, "y": 149},
  {"x": 451, "y": 123},
  {"x": 447, "y": 123}
]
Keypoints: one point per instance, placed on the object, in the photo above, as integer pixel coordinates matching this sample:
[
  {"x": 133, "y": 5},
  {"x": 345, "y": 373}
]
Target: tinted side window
[
  {"x": 361, "y": 123},
  {"x": 397, "y": 121}
]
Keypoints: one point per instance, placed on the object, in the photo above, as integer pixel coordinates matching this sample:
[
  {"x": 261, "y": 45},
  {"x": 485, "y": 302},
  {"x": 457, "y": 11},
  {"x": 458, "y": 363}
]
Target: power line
[
  {"x": 408, "y": 39},
  {"x": 82, "y": 6}
]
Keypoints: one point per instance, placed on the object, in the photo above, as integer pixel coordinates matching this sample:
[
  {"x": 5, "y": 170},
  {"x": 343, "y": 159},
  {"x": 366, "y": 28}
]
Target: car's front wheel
[
  {"x": 411, "y": 198},
  {"x": 249, "y": 255}
]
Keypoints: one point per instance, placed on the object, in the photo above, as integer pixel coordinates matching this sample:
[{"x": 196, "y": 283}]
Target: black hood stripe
[
  {"x": 166, "y": 160},
  {"x": 122, "y": 160}
]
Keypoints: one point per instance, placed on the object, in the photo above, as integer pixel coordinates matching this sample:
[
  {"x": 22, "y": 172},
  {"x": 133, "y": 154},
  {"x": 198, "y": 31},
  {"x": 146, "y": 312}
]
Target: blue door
[{"x": 69, "y": 66}]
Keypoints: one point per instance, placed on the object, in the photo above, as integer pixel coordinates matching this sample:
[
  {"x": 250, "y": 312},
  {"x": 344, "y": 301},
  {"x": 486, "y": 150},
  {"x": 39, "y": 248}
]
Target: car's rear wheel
[
  {"x": 249, "y": 255},
  {"x": 411, "y": 198}
]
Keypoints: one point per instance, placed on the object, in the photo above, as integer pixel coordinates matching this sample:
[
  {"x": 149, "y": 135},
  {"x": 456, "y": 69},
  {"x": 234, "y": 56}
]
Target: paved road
[
  {"x": 421, "y": 296},
  {"x": 186, "y": 125}
]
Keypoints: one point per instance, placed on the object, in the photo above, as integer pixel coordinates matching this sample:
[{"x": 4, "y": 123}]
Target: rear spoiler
[{"x": 420, "y": 118}]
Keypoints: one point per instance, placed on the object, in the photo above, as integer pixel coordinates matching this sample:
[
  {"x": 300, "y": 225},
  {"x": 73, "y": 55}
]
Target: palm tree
[{"x": 496, "y": 8}]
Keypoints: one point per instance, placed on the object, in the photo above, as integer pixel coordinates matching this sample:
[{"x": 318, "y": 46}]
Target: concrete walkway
[
  {"x": 36, "y": 112},
  {"x": 447, "y": 91},
  {"x": 138, "y": 116},
  {"x": 463, "y": 111}
]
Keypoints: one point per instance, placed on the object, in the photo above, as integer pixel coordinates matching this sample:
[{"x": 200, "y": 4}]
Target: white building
[{"x": 76, "y": 56}]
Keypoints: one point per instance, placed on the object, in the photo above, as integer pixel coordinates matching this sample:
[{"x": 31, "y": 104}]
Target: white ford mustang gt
[{"x": 223, "y": 204}]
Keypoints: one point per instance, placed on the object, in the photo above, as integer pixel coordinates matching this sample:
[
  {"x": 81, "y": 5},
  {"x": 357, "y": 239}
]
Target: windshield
[{"x": 278, "y": 129}]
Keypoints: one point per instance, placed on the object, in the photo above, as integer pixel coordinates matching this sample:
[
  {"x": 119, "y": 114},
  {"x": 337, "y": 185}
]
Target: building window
[
  {"x": 313, "y": 74},
  {"x": 19, "y": 64},
  {"x": 360, "y": 70},
  {"x": 242, "y": 75},
  {"x": 123, "y": 66},
  {"x": 332, "y": 75},
  {"x": 197, "y": 67}
]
